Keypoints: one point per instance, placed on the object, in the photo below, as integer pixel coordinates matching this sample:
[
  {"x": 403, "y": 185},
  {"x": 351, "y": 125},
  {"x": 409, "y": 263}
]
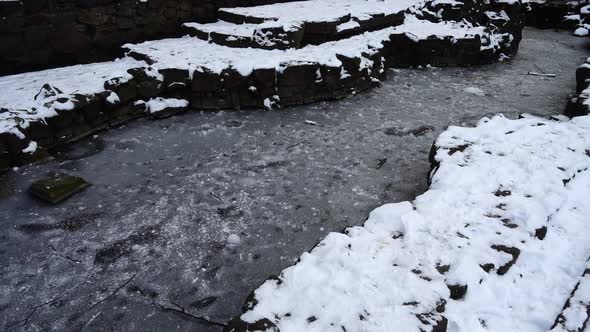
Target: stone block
[
  {"x": 57, "y": 188},
  {"x": 40, "y": 132},
  {"x": 582, "y": 78},
  {"x": 126, "y": 90},
  {"x": 205, "y": 80},
  {"x": 13, "y": 144},
  {"x": 94, "y": 112},
  {"x": 175, "y": 79}
]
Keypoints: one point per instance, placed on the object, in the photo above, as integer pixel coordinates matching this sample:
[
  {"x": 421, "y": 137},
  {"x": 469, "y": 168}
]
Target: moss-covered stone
[{"x": 57, "y": 188}]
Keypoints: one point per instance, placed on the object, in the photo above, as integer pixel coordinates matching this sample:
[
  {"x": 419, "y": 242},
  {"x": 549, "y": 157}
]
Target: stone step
[
  {"x": 40, "y": 110},
  {"x": 223, "y": 33},
  {"x": 296, "y": 24}
]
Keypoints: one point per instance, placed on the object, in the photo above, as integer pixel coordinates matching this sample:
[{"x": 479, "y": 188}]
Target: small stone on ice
[{"x": 233, "y": 240}]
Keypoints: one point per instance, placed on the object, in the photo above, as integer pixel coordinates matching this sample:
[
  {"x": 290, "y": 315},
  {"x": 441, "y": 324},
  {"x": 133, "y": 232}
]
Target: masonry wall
[{"x": 40, "y": 34}]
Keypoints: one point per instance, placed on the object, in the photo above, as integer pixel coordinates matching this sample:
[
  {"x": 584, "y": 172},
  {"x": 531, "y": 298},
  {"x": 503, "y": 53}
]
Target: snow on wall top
[
  {"x": 498, "y": 185},
  {"x": 19, "y": 93},
  {"x": 323, "y": 10},
  {"x": 243, "y": 30},
  {"x": 191, "y": 52}
]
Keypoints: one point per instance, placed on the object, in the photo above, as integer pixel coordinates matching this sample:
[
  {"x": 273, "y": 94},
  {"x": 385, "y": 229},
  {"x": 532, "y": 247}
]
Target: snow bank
[{"x": 496, "y": 244}]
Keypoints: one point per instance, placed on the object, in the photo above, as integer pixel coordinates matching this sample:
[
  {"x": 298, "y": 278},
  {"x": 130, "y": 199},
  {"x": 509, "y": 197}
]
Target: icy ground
[{"x": 153, "y": 234}]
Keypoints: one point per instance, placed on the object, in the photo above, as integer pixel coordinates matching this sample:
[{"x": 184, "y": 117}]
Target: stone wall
[{"x": 40, "y": 34}]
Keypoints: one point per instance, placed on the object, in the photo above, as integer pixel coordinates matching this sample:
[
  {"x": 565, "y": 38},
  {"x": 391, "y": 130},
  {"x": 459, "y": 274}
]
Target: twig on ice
[
  {"x": 540, "y": 74},
  {"x": 541, "y": 70}
]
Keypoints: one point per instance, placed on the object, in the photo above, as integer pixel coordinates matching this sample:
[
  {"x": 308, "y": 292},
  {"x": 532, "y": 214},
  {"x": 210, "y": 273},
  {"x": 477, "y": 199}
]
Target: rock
[
  {"x": 513, "y": 251},
  {"x": 457, "y": 291},
  {"x": 57, "y": 188},
  {"x": 47, "y": 91},
  {"x": 540, "y": 233},
  {"x": 238, "y": 325}
]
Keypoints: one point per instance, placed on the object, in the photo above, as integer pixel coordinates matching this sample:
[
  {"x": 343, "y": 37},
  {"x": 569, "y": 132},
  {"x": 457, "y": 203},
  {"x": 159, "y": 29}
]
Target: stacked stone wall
[{"x": 40, "y": 34}]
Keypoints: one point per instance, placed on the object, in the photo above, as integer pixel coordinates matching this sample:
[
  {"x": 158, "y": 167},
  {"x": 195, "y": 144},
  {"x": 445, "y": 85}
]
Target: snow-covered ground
[{"x": 497, "y": 243}]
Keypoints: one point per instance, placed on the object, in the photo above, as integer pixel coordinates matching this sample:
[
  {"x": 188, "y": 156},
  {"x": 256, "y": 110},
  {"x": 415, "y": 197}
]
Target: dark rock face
[
  {"x": 577, "y": 105},
  {"x": 39, "y": 34},
  {"x": 457, "y": 291}
]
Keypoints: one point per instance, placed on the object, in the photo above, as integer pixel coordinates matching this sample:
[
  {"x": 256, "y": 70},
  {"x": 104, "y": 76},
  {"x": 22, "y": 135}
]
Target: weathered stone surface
[{"x": 57, "y": 188}]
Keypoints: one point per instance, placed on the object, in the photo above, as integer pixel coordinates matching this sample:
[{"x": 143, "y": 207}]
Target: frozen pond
[{"x": 149, "y": 239}]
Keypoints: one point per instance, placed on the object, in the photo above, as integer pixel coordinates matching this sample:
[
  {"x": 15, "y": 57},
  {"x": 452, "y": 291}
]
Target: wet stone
[{"x": 57, "y": 188}]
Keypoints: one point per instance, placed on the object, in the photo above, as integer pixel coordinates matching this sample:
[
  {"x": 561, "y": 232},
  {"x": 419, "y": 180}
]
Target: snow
[
  {"x": 497, "y": 186},
  {"x": 31, "y": 148},
  {"x": 581, "y": 32},
  {"x": 19, "y": 92},
  {"x": 474, "y": 91},
  {"x": 350, "y": 25},
  {"x": 501, "y": 15},
  {"x": 290, "y": 13},
  {"x": 113, "y": 98},
  {"x": 575, "y": 17},
  {"x": 159, "y": 104},
  {"x": 190, "y": 52},
  {"x": 233, "y": 240},
  {"x": 244, "y": 30},
  {"x": 575, "y": 316}
]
